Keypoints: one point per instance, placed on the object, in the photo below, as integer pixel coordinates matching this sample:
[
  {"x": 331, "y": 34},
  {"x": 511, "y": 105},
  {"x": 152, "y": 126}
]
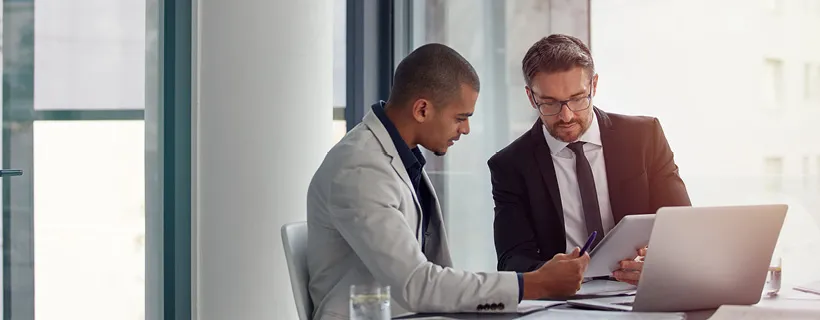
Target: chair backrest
[{"x": 294, "y": 238}]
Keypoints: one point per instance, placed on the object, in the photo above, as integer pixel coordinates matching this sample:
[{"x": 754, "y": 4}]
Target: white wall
[{"x": 262, "y": 126}]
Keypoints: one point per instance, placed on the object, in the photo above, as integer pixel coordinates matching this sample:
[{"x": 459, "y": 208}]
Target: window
[
  {"x": 746, "y": 156},
  {"x": 773, "y": 169},
  {"x": 681, "y": 70},
  {"x": 816, "y": 84},
  {"x": 773, "y": 6},
  {"x": 807, "y": 72},
  {"x": 494, "y": 43},
  {"x": 773, "y": 83},
  {"x": 812, "y": 83},
  {"x": 339, "y": 68},
  {"x": 75, "y": 93}
]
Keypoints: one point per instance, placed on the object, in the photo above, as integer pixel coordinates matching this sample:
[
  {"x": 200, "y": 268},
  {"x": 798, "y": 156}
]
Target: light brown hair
[{"x": 556, "y": 53}]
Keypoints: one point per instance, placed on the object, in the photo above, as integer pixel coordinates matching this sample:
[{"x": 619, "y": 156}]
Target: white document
[
  {"x": 606, "y": 288},
  {"x": 527, "y": 306},
  {"x": 755, "y": 312},
  {"x": 559, "y": 314},
  {"x": 621, "y": 243}
]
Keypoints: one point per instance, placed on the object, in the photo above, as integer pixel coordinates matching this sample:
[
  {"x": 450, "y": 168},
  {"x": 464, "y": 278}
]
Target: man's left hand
[{"x": 630, "y": 270}]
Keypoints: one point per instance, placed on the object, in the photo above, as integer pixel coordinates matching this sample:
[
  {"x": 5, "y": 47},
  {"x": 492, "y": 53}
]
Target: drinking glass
[
  {"x": 774, "y": 277},
  {"x": 370, "y": 302}
]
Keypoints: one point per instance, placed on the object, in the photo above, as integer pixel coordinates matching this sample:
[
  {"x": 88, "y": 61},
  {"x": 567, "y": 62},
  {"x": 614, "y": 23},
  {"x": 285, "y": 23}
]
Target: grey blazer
[{"x": 363, "y": 218}]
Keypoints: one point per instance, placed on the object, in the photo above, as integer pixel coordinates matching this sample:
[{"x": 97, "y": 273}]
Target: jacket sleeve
[
  {"x": 515, "y": 243},
  {"x": 665, "y": 184},
  {"x": 365, "y": 197}
]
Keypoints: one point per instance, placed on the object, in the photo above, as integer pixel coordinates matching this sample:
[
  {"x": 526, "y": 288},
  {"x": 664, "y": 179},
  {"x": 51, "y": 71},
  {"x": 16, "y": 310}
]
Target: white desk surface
[{"x": 788, "y": 298}]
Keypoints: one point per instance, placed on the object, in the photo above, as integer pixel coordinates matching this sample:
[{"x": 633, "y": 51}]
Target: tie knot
[{"x": 577, "y": 147}]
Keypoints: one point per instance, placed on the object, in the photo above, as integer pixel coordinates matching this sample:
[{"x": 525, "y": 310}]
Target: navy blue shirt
[{"x": 414, "y": 163}]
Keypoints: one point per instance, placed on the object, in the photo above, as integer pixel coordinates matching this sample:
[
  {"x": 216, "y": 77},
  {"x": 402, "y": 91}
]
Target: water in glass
[
  {"x": 774, "y": 277},
  {"x": 369, "y": 302}
]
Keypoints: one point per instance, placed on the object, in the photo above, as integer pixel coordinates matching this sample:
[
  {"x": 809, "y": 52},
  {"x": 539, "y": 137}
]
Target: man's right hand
[{"x": 560, "y": 277}]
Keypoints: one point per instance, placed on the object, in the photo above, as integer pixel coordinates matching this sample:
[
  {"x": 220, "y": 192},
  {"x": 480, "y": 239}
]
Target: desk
[{"x": 788, "y": 298}]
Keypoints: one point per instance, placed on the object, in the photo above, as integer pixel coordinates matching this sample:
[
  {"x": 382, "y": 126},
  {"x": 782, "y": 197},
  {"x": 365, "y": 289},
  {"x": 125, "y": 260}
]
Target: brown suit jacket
[{"x": 529, "y": 218}]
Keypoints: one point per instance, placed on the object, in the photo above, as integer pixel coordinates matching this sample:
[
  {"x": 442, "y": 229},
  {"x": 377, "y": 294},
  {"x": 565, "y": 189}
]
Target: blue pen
[{"x": 589, "y": 243}]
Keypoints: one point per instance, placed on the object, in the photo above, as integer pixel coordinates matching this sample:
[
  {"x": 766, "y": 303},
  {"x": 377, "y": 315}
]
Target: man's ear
[
  {"x": 422, "y": 110},
  {"x": 594, "y": 84},
  {"x": 529, "y": 93}
]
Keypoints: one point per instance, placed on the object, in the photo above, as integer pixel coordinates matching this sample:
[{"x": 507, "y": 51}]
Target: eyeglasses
[{"x": 552, "y": 108}]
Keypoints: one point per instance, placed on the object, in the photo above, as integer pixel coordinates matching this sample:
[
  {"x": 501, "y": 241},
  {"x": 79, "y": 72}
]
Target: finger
[
  {"x": 583, "y": 260},
  {"x": 575, "y": 252},
  {"x": 631, "y": 265},
  {"x": 626, "y": 276},
  {"x": 642, "y": 252}
]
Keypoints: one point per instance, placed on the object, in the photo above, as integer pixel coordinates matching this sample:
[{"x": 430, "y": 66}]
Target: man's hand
[
  {"x": 558, "y": 278},
  {"x": 630, "y": 270}
]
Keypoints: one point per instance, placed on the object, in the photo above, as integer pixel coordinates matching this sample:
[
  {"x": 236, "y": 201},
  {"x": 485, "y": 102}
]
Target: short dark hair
[
  {"x": 433, "y": 71},
  {"x": 556, "y": 53}
]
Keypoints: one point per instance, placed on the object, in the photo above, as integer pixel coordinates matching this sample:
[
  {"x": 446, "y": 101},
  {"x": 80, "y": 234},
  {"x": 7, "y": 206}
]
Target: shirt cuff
[{"x": 520, "y": 286}]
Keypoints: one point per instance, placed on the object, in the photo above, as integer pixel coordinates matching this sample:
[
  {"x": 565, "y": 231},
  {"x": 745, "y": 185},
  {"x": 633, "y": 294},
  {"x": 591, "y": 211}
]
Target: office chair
[{"x": 294, "y": 238}]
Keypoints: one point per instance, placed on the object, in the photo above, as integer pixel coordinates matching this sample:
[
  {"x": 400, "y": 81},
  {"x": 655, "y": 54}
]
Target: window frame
[
  {"x": 370, "y": 26},
  {"x": 167, "y": 118}
]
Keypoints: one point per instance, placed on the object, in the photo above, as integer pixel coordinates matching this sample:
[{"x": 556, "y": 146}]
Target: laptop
[{"x": 702, "y": 258}]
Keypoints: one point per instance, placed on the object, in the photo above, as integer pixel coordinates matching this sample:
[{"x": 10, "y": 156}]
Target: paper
[
  {"x": 558, "y": 314},
  {"x": 605, "y": 288},
  {"x": 527, "y": 306},
  {"x": 755, "y": 312}
]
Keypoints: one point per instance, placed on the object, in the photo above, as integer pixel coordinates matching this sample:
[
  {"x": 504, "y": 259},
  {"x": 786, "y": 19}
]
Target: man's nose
[
  {"x": 465, "y": 129},
  {"x": 566, "y": 114}
]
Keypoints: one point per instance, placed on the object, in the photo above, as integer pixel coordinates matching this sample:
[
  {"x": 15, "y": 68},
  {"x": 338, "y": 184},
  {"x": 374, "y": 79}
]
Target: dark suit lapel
[
  {"x": 547, "y": 168},
  {"x": 616, "y": 156}
]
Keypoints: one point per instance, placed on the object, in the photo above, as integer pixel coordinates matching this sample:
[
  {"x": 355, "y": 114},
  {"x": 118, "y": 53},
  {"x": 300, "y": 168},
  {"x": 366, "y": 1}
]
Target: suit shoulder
[
  {"x": 358, "y": 149},
  {"x": 641, "y": 123},
  {"x": 618, "y": 118}
]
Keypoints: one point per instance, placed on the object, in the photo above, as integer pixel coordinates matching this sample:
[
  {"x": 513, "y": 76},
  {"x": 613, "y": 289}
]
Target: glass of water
[
  {"x": 370, "y": 302},
  {"x": 774, "y": 277}
]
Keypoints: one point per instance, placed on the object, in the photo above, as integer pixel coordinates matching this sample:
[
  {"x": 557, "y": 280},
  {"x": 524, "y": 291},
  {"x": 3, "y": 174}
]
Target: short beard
[
  {"x": 439, "y": 153},
  {"x": 584, "y": 129}
]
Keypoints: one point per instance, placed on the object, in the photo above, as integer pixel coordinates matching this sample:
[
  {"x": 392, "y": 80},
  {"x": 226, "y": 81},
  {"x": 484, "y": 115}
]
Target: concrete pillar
[{"x": 262, "y": 125}]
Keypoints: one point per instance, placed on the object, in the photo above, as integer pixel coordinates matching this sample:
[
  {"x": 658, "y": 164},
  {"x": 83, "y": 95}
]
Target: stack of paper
[
  {"x": 605, "y": 288},
  {"x": 527, "y": 306}
]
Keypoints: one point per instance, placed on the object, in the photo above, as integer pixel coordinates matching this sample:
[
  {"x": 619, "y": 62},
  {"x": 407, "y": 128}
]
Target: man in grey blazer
[{"x": 373, "y": 216}]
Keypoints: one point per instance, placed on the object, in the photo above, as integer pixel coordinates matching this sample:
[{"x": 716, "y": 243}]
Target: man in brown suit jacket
[{"x": 579, "y": 169}]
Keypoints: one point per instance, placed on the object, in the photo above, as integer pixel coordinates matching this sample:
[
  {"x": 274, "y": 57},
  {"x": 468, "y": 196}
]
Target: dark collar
[{"x": 412, "y": 158}]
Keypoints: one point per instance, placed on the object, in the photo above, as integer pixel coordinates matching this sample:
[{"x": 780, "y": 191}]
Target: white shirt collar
[{"x": 592, "y": 136}]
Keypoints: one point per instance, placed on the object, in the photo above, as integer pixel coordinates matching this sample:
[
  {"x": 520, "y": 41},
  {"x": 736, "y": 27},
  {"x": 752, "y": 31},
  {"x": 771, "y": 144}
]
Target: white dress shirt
[{"x": 564, "y": 161}]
